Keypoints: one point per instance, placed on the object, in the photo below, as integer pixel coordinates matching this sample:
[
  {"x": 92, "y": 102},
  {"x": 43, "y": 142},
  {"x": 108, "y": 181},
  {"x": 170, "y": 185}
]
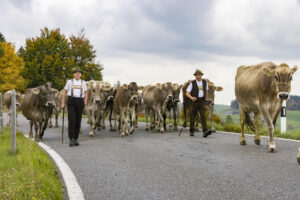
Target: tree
[
  {"x": 2, "y": 39},
  {"x": 47, "y": 58},
  {"x": 11, "y": 65},
  {"x": 84, "y": 55}
]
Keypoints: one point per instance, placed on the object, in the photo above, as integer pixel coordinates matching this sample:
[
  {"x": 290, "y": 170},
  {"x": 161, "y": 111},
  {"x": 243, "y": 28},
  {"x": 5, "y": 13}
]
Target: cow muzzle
[
  {"x": 97, "y": 101},
  {"x": 283, "y": 95},
  {"x": 110, "y": 97},
  {"x": 209, "y": 101},
  {"x": 134, "y": 97},
  {"x": 170, "y": 97},
  {"x": 50, "y": 103},
  {"x": 176, "y": 101}
]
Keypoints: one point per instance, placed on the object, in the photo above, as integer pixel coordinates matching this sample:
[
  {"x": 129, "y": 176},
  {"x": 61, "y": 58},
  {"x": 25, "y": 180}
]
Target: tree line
[{"x": 48, "y": 57}]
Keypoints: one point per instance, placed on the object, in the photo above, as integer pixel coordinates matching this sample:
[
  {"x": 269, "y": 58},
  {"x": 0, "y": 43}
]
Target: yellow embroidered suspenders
[{"x": 76, "y": 87}]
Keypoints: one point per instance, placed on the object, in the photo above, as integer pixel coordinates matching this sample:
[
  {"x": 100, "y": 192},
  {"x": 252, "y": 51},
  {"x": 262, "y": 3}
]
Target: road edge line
[{"x": 72, "y": 185}]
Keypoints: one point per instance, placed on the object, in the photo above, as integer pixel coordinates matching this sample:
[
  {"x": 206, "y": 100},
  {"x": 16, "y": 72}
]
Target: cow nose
[
  {"x": 110, "y": 97},
  {"x": 176, "y": 100},
  {"x": 283, "y": 96},
  {"x": 135, "y": 97},
  {"x": 209, "y": 101},
  {"x": 97, "y": 100},
  {"x": 49, "y": 103}
]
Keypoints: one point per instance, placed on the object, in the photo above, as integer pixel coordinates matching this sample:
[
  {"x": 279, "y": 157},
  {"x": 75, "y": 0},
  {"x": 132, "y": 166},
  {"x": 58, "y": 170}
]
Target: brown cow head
[
  {"x": 168, "y": 90},
  {"x": 133, "y": 92},
  {"x": 96, "y": 93},
  {"x": 176, "y": 92},
  {"x": 211, "y": 92},
  {"x": 45, "y": 94},
  {"x": 283, "y": 76}
]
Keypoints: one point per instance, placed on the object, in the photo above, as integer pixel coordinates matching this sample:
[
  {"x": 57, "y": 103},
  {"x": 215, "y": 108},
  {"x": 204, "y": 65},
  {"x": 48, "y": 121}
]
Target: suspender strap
[
  {"x": 72, "y": 88},
  {"x": 77, "y": 87}
]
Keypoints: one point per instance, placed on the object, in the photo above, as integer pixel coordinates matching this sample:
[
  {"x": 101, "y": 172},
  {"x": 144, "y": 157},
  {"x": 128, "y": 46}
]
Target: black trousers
[
  {"x": 75, "y": 108},
  {"x": 198, "y": 105}
]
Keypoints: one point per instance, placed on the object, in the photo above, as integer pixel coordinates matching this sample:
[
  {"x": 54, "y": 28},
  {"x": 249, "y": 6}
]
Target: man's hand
[{"x": 193, "y": 99}]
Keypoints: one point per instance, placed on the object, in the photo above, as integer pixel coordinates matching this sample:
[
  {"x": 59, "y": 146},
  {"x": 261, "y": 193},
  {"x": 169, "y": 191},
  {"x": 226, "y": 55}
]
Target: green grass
[{"x": 29, "y": 173}]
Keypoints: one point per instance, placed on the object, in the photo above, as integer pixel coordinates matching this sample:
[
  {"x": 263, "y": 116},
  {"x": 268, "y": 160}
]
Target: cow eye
[{"x": 291, "y": 78}]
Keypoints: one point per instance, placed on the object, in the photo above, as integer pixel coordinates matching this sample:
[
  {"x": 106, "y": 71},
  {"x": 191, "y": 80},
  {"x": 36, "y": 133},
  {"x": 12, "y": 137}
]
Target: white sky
[{"x": 167, "y": 40}]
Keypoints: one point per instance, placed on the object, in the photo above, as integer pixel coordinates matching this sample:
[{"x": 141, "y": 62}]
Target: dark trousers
[
  {"x": 75, "y": 108},
  {"x": 198, "y": 105}
]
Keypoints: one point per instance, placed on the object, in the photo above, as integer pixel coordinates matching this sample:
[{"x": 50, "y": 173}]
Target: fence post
[
  {"x": 283, "y": 117},
  {"x": 1, "y": 114},
  {"x": 13, "y": 121}
]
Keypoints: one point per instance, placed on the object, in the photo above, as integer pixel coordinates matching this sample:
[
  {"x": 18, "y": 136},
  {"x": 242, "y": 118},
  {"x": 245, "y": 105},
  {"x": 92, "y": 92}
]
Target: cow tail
[{"x": 249, "y": 122}]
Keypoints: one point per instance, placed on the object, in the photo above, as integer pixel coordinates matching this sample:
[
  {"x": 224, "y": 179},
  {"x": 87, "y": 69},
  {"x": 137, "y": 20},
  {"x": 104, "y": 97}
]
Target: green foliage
[
  {"x": 29, "y": 174},
  {"x": 229, "y": 119},
  {"x": 2, "y": 38},
  {"x": 84, "y": 56},
  {"x": 51, "y": 58}
]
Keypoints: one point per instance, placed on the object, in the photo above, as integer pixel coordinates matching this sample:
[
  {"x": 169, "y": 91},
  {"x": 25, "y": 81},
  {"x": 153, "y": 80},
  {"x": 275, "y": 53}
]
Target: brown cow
[
  {"x": 37, "y": 106},
  {"x": 210, "y": 103},
  {"x": 259, "y": 89},
  {"x": 109, "y": 93},
  {"x": 173, "y": 107},
  {"x": 7, "y": 105},
  {"x": 94, "y": 104},
  {"x": 156, "y": 99},
  {"x": 125, "y": 101},
  {"x": 57, "y": 109}
]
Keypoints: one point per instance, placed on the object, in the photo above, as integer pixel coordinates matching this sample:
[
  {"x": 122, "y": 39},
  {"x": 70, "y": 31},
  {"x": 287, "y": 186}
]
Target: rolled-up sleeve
[
  {"x": 189, "y": 88},
  {"x": 68, "y": 85},
  {"x": 84, "y": 86}
]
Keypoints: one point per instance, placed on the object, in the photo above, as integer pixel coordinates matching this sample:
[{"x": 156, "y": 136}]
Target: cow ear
[
  {"x": 125, "y": 86},
  {"x": 219, "y": 89},
  {"x": 35, "y": 91},
  {"x": 268, "y": 71},
  {"x": 294, "y": 69}
]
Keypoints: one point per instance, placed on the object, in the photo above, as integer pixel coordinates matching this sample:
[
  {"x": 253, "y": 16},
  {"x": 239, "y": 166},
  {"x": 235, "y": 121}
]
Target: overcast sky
[{"x": 167, "y": 40}]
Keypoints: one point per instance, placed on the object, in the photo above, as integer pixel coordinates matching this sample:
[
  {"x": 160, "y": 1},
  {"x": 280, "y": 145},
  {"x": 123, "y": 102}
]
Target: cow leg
[
  {"x": 8, "y": 116},
  {"x": 110, "y": 118},
  {"x": 270, "y": 126},
  {"x": 164, "y": 121},
  {"x": 122, "y": 123},
  {"x": 147, "y": 111},
  {"x": 30, "y": 131},
  {"x": 298, "y": 156},
  {"x": 160, "y": 120},
  {"x": 211, "y": 115},
  {"x": 152, "y": 119},
  {"x": 38, "y": 128},
  {"x": 133, "y": 117},
  {"x": 256, "y": 123},
  {"x": 126, "y": 119},
  {"x": 175, "y": 118},
  {"x": 50, "y": 121},
  {"x": 242, "y": 122},
  {"x": 56, "y": 119}
]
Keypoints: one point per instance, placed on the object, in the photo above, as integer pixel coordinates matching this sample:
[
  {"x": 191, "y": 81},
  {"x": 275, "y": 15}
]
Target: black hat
[
  {"x": 198, "y": 72},
  {"x": 77, "y": 69}
]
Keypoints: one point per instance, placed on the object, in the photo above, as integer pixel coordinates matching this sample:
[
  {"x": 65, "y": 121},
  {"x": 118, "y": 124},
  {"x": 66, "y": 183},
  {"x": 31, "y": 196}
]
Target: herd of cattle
[{"x": 259, "y": 89}]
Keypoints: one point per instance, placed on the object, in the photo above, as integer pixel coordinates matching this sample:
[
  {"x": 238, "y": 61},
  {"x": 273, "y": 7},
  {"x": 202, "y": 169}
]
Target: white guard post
[{"x": 283, "y": 117}]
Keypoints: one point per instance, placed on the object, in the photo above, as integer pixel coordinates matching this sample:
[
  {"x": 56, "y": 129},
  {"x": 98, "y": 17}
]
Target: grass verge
[{"x": 29, "y": 173}]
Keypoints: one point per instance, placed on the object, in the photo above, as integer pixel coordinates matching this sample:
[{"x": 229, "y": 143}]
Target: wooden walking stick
[
  {"x": 182, "y": 127},
  {"x": 63, "y": 126}
]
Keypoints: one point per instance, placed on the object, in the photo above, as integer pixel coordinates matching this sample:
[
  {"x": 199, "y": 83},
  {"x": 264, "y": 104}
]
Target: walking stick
[
  {"x": 63, "y": 126},
  {"x": 182, "y": 127}
]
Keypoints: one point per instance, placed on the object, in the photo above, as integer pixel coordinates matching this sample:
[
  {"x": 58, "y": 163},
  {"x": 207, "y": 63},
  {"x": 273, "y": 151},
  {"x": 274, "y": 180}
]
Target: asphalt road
[{"x": 149, "y": 165}]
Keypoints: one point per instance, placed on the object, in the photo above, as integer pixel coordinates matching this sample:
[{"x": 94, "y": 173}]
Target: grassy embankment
[{"x": 29, "y": 173}]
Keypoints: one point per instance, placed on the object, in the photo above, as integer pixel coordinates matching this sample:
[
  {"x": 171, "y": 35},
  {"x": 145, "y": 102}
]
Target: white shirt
[
  {"x": 76, "y": 92},
  {"x": 200, "y": 87}
]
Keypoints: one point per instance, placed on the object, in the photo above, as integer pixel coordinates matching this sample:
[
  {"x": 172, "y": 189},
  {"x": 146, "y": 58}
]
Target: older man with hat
[
  {"x": 197, "y": 91},
  {"x": 77, "y": 98}
]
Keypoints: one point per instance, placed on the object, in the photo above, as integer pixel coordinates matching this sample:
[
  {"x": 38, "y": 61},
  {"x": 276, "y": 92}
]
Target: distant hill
[{"x": 292, "y": 104}]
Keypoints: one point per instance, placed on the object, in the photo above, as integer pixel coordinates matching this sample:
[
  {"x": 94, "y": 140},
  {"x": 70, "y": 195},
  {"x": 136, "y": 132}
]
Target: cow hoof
[
  {"x": 298, "y": 159},
  {"x": 146, "y": 129},
  {"x": 243, "y": 142},
  {"x": 213, "y": 130},
  {"x": 131, "y": 131},
  {"x": 161, "y": 131},
  {"x": 91, "y": 134},
  {"x": 257, "y": 141},
  {"x": 122, "y": 134},
  {"x": 272, "y": 148},
  {"x": 56, "y": 125},
  {"x": 36, "y": 139}
]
